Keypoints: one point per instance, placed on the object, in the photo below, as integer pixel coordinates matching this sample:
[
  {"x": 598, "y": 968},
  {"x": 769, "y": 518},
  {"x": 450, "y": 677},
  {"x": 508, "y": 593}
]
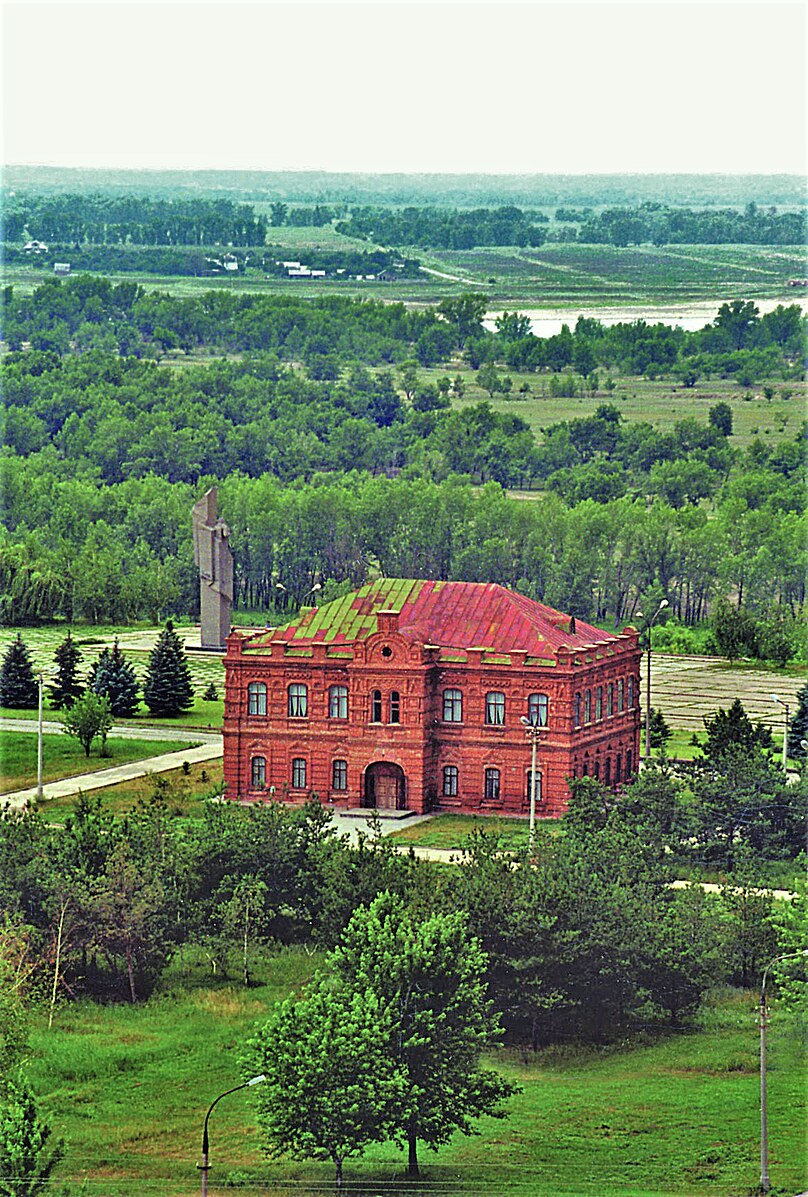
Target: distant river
[{"x": 546, "y": 322}]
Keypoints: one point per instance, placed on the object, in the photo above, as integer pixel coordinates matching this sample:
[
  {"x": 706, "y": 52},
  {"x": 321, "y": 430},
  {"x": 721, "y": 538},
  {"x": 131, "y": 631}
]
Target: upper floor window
[
  {"x": 450, "y": 781},
  {"x": 452, "y": 706},
  {"x": 495, "y": 707},
  {"x": 376, "y": 706},
  {"x": 257, "y": 698},
  {"x": 395, "y": 707},
  {"x": 339, "y": 775},
  {"x": 492, "y": 785},
  {"x": 630, "y": 696},
  {"x": 620, "y": 697},
  {"x": 338, "y": 702},
  {"x": 258, "y": 772},
  {"x": 537, "y": 709},
  {"x": 588, "y": 706},
  {"x": 610, "y": 699},
  {"x": 599, "y": 703},
  {"x": 298, "y": 700},
  {"x": 298, "y": 773},
  {"x": 577, "y": 710}
]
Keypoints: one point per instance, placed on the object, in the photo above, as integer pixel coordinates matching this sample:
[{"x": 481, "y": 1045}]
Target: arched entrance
[{"x": 385, "y": 786}]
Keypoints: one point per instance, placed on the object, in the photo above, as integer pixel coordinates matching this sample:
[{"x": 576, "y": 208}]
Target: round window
[{"x": 387, "y": 651}]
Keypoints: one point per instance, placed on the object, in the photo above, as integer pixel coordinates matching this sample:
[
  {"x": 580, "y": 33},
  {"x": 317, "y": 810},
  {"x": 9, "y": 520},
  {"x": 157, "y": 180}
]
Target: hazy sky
[{"x": 522, "y": 87}]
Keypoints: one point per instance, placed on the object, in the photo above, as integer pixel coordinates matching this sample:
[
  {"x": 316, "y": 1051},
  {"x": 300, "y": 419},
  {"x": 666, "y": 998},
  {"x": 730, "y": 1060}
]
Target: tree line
[
  {"x": 82, "y": 219},
  {"x": 651, "y": 223}
]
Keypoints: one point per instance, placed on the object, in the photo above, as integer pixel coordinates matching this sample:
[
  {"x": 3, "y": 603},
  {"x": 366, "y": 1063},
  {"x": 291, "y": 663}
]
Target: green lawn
[
  {"x": 129, "y": 1088},
  {"x": 189, "y": 792},
  {"x": 450, "y": 832},
  {"x": 63, "y": 756}
]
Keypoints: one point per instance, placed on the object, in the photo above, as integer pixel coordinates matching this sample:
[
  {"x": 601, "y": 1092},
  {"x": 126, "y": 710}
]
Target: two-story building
[{"x": 424, "y": 695}]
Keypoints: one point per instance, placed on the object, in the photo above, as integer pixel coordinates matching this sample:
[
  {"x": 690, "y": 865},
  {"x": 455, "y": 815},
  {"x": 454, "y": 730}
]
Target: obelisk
[{"x": 214, "y": 560}]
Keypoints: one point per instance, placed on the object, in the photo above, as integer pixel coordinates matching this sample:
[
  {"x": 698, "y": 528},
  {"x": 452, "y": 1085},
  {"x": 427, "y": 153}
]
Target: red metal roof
[{"x": 447, "y": 614}]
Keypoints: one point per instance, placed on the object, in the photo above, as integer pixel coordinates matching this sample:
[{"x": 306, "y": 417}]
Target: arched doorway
[{"x": 385, "y": 786}]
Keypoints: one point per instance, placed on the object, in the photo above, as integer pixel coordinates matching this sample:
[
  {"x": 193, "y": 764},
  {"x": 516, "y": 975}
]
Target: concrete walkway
[{"x": 210, "y": 749}]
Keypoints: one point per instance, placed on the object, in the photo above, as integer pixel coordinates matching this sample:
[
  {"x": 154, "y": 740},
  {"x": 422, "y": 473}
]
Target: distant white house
[
  {"x": 35, "y": 247},
  {"x": 62, "y": 269}
]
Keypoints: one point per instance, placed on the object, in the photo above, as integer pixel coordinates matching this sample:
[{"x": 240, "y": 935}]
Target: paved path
[{"x": 210, "y": 749}]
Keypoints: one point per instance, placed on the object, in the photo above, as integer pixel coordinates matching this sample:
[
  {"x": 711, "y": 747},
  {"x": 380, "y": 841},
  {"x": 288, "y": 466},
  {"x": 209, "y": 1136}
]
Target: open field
[
  {"x": 63, "y": 756},
  {"x": 450, "y": 832},
  {"x": 598, "y": 274},
  {"x": 660, "y": 402},
  {"x": 189, "y": 792},
  {"x": 569, "y": 275},
  {"x": 129, "y": 1087}
]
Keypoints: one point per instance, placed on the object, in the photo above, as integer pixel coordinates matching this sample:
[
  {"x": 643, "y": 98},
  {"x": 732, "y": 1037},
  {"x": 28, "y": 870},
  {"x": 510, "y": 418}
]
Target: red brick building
[{"x": 412, "y": 695}]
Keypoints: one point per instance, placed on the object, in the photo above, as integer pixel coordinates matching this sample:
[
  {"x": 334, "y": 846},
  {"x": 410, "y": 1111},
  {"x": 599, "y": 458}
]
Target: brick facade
[{"x": 411, "y": 695}]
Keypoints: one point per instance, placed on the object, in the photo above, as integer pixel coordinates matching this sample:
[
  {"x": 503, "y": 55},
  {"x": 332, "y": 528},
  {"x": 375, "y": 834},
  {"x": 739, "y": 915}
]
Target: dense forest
[{"x": 336, "y": 459}]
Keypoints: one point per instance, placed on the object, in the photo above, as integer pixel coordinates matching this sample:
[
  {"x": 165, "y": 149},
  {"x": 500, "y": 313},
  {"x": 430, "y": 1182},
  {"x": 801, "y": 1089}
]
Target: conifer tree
[
  {"x": 798, "y": 726},
  {"x": 18, "y": 686},
  {"x": 113, "y": 676},
  {"x": 168, "y": 689},
  {"x": 66, "y": 687}
]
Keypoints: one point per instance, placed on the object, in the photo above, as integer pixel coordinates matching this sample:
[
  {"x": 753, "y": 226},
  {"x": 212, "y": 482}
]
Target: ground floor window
[
  {"x": 492, "y": 785},
  {"x": 259, "y": 772},
  {"x": 298, "y": 773},
  {"x": 339, "y": 775},
  {"x": 450, "y": 781},
  {"x": 536, "y": 777},
  {"x": 607, "y": 776},
  {"x": 618, "y": 767}
]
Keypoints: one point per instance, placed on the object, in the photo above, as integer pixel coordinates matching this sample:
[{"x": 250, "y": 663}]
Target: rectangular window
[
  {"x": 492, "y": 785},
  {"x": 599, "y": 703},
  {"x": 338, "y": 702},
  {"x": 536, "y": 786},
  {"x": 610, "y": 699},
  {"x": 339, "y": 775},
  {"x": 298, "y": 773},
  {"x": 259, "y": 772},
  {"x": 298, "y": 701},
  {"x": 618, "y": 765},
  {"x": 376, "y": 706},
  {"x": 629, "y": 763},
  {"x": 452, "y": 706},
  {"x": 607, "y": 776},
  {"x": 450, "y": 781},
  {"x": 395, "y": 707},
  {"x": 256, "y": 698},
  {"x": 588, "y": 706},
  {"x": 537, "y": 706},
  {"x": 495, "y": 708},
  {"x": 630, "y": 688},
  {"x": 577, "y": 710},
  {"x": 620, "y": 701}
]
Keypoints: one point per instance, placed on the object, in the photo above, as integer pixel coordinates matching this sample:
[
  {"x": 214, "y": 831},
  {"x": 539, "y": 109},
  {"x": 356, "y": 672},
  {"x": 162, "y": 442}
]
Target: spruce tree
[
  {"x": 798, "y": 726},
  {"x": 168, "y": 689},
  {"x": 66, "y": 687},
  {"x": 113, "y": 676},
  {"x": 18, "y": 686}
]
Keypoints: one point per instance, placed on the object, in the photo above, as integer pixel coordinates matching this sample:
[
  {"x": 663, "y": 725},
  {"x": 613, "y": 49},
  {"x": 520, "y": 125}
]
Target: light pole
[
  {"x": 204, "y": 1167},
  {"x": 764, "y": 1129},
  {"x": 776, "y": 698},
  {"x": 663, "y": 604},
  {"x": 39, "y": 790},
  {"x": 532, "y": 731}
]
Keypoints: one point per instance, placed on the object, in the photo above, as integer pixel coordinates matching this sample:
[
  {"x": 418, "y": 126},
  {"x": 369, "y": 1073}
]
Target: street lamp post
[
  {"x": 39, "y": 790},
  {"x": 205, "y": 1166},
  {"x": 532, "y": 732},
  {"x": 777, "y": 698},
  {"x": 663, "y": 604},
  {"x": 764, "y": 1128}
]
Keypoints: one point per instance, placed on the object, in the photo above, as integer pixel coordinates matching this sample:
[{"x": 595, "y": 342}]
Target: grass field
[
  {"x": 189, "y": 792},
  {"x": 63, "y": 756},
  {"x": 451, "y": 831},
  {"x": 552, "y": 274},
  {"x": 129, "y": 1087}
]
